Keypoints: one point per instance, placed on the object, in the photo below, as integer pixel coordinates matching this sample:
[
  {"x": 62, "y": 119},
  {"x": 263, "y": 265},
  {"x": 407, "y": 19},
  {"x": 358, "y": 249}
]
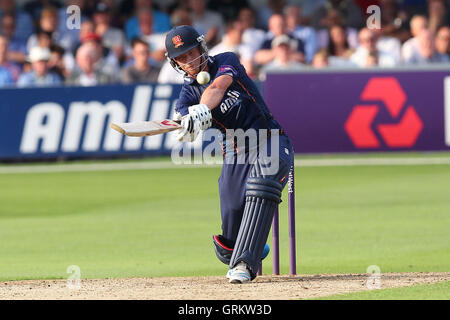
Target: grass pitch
[{"x": 147, "y": 223}]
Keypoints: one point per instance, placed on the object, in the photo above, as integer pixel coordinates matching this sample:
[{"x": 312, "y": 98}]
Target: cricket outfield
[{"x": 141, "y": 229}]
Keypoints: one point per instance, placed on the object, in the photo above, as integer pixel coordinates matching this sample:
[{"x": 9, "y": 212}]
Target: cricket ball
[{"x": 203, "y": 77}]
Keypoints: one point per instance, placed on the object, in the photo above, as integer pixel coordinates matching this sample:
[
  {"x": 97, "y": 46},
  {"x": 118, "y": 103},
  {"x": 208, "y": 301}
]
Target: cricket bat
[{"x": 146, "y": 128}]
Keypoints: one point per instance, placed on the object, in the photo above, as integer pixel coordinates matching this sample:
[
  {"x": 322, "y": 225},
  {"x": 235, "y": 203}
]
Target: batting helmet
[{"x": 180, "y": 40}]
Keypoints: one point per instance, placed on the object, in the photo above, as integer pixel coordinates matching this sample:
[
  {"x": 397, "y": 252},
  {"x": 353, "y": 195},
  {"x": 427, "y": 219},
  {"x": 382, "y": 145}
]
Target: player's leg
[
  {"x": 262, "y": 196},
  {"x": 232, "y": 198},
  {"x": 232, "y": 183},
  {"x": 232, "y": 201}
]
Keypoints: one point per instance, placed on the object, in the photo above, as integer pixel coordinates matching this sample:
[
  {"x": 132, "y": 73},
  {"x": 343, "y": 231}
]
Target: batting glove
[
  {"x": 198, "y": 119},
  {"x": 202, "y": 114},
  {"x": 189, "y": 129}
]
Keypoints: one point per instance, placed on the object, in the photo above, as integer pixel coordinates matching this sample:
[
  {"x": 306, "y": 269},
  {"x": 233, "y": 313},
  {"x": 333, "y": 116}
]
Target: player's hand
[
  {"x": 198, "y": 119},
  {"x": 202, "y": 114},
  {"x": 185, "y": 134},
  {"x": 189, "y": 129}
]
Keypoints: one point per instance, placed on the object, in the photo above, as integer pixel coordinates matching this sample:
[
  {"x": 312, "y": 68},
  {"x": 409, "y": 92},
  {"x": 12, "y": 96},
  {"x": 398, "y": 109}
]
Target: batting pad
[{"x": 262, "y": 197}]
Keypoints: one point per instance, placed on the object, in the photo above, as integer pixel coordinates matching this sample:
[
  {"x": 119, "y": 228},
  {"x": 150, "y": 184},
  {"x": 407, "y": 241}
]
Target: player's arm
[
  {"x": 199, "y": 117},
  {"x": 213, "y": 95}
]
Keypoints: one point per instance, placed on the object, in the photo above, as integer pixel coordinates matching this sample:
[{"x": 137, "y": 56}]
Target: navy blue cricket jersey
[{"x": 242, "y": 106}]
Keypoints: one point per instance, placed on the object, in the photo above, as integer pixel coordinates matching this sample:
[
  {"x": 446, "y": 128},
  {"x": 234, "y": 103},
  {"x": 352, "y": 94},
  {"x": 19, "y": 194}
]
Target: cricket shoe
[
  {"x": 263, "y": 256},
  {"x": 239, "y": 274}
]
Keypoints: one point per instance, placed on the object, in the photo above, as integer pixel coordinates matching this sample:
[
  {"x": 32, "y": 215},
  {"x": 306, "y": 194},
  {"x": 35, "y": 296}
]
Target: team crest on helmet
[{"x": 177, "y": 41}]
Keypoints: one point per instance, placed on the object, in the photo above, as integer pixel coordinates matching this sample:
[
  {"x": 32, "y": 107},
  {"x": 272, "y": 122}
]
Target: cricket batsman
[{"x": 249, "y": 194}]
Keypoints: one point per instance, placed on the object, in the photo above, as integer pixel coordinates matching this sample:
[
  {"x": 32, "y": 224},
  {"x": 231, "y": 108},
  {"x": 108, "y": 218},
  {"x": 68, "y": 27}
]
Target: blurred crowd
[{"x": 117, "y": 41}]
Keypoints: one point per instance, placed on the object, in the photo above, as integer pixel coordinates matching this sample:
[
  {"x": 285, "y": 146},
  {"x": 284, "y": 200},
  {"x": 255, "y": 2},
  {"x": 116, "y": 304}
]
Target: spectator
[
  {"x": 334, "y": 18},
  {"x": 394, "y": 21},
  {"x": 116, "y": 17},
  {"x": 44, "y": 40},
  {"x": 393, "y": 29},
  {"x": 229, "y": 9},
  {"x": 277, "y": 27},
  {"x": 112, "y": 38},
  {"x": 410, "y": 48},
  {"x": 389, "y": 45},
  {"x": 295, "y": 26},
  {"x": 320, "y": 59},
  {"x": 39, "y": 75},
  {"x": 232, "y": 42},
  {"x": 161, "y": 21},
  {"x": 206, "y": 22},
  {"x": 56, "y": 62},
  {"x": 141, "y": 70},
  {"x": 17, "y": 50},
  {"x": 86, "y": 27},
  {"x": 34, "y": 8},
  {"x": 426, "y": 52},
  {"x": 252, "y": 38},
  {"x": 437, "y": 13},
  {"x": 372, "y": 60},
  {"x": 168, "y": 74},
  {"x": 443, "y": 42},
  {"x": 9, "y": 72},
  {"x": 87, "y": 73},
  {"x": 49, "y": 23},
  {"x": 105, "y": 59},
  {"x": 264, "y": 12},
  {"x": 339, "y": 50},
  {"x": 180, "y": 17},
  {"x": 351, "y": 14},
  {"x": 154, "y": 40},
  {"x": 283, "y": 59},
  {"x": 24, "y": 23},
  {"x": 368, "y": 54},
  {"x": 6, "y": 79}
]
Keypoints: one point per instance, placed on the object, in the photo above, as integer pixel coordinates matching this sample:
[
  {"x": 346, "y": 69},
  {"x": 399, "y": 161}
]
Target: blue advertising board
[{"x": 73, "y": 121}]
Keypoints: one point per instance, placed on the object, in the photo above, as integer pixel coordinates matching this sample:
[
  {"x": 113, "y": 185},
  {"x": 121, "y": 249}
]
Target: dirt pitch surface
[{"x": 209, "y": 288}]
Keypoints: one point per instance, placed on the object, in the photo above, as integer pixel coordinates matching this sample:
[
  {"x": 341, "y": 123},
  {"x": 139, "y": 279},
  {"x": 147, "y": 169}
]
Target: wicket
[{"x": 275, "y": 231}]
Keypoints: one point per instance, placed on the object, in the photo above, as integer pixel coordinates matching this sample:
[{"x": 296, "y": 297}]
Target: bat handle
[{"x": 177, "y": 121}]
